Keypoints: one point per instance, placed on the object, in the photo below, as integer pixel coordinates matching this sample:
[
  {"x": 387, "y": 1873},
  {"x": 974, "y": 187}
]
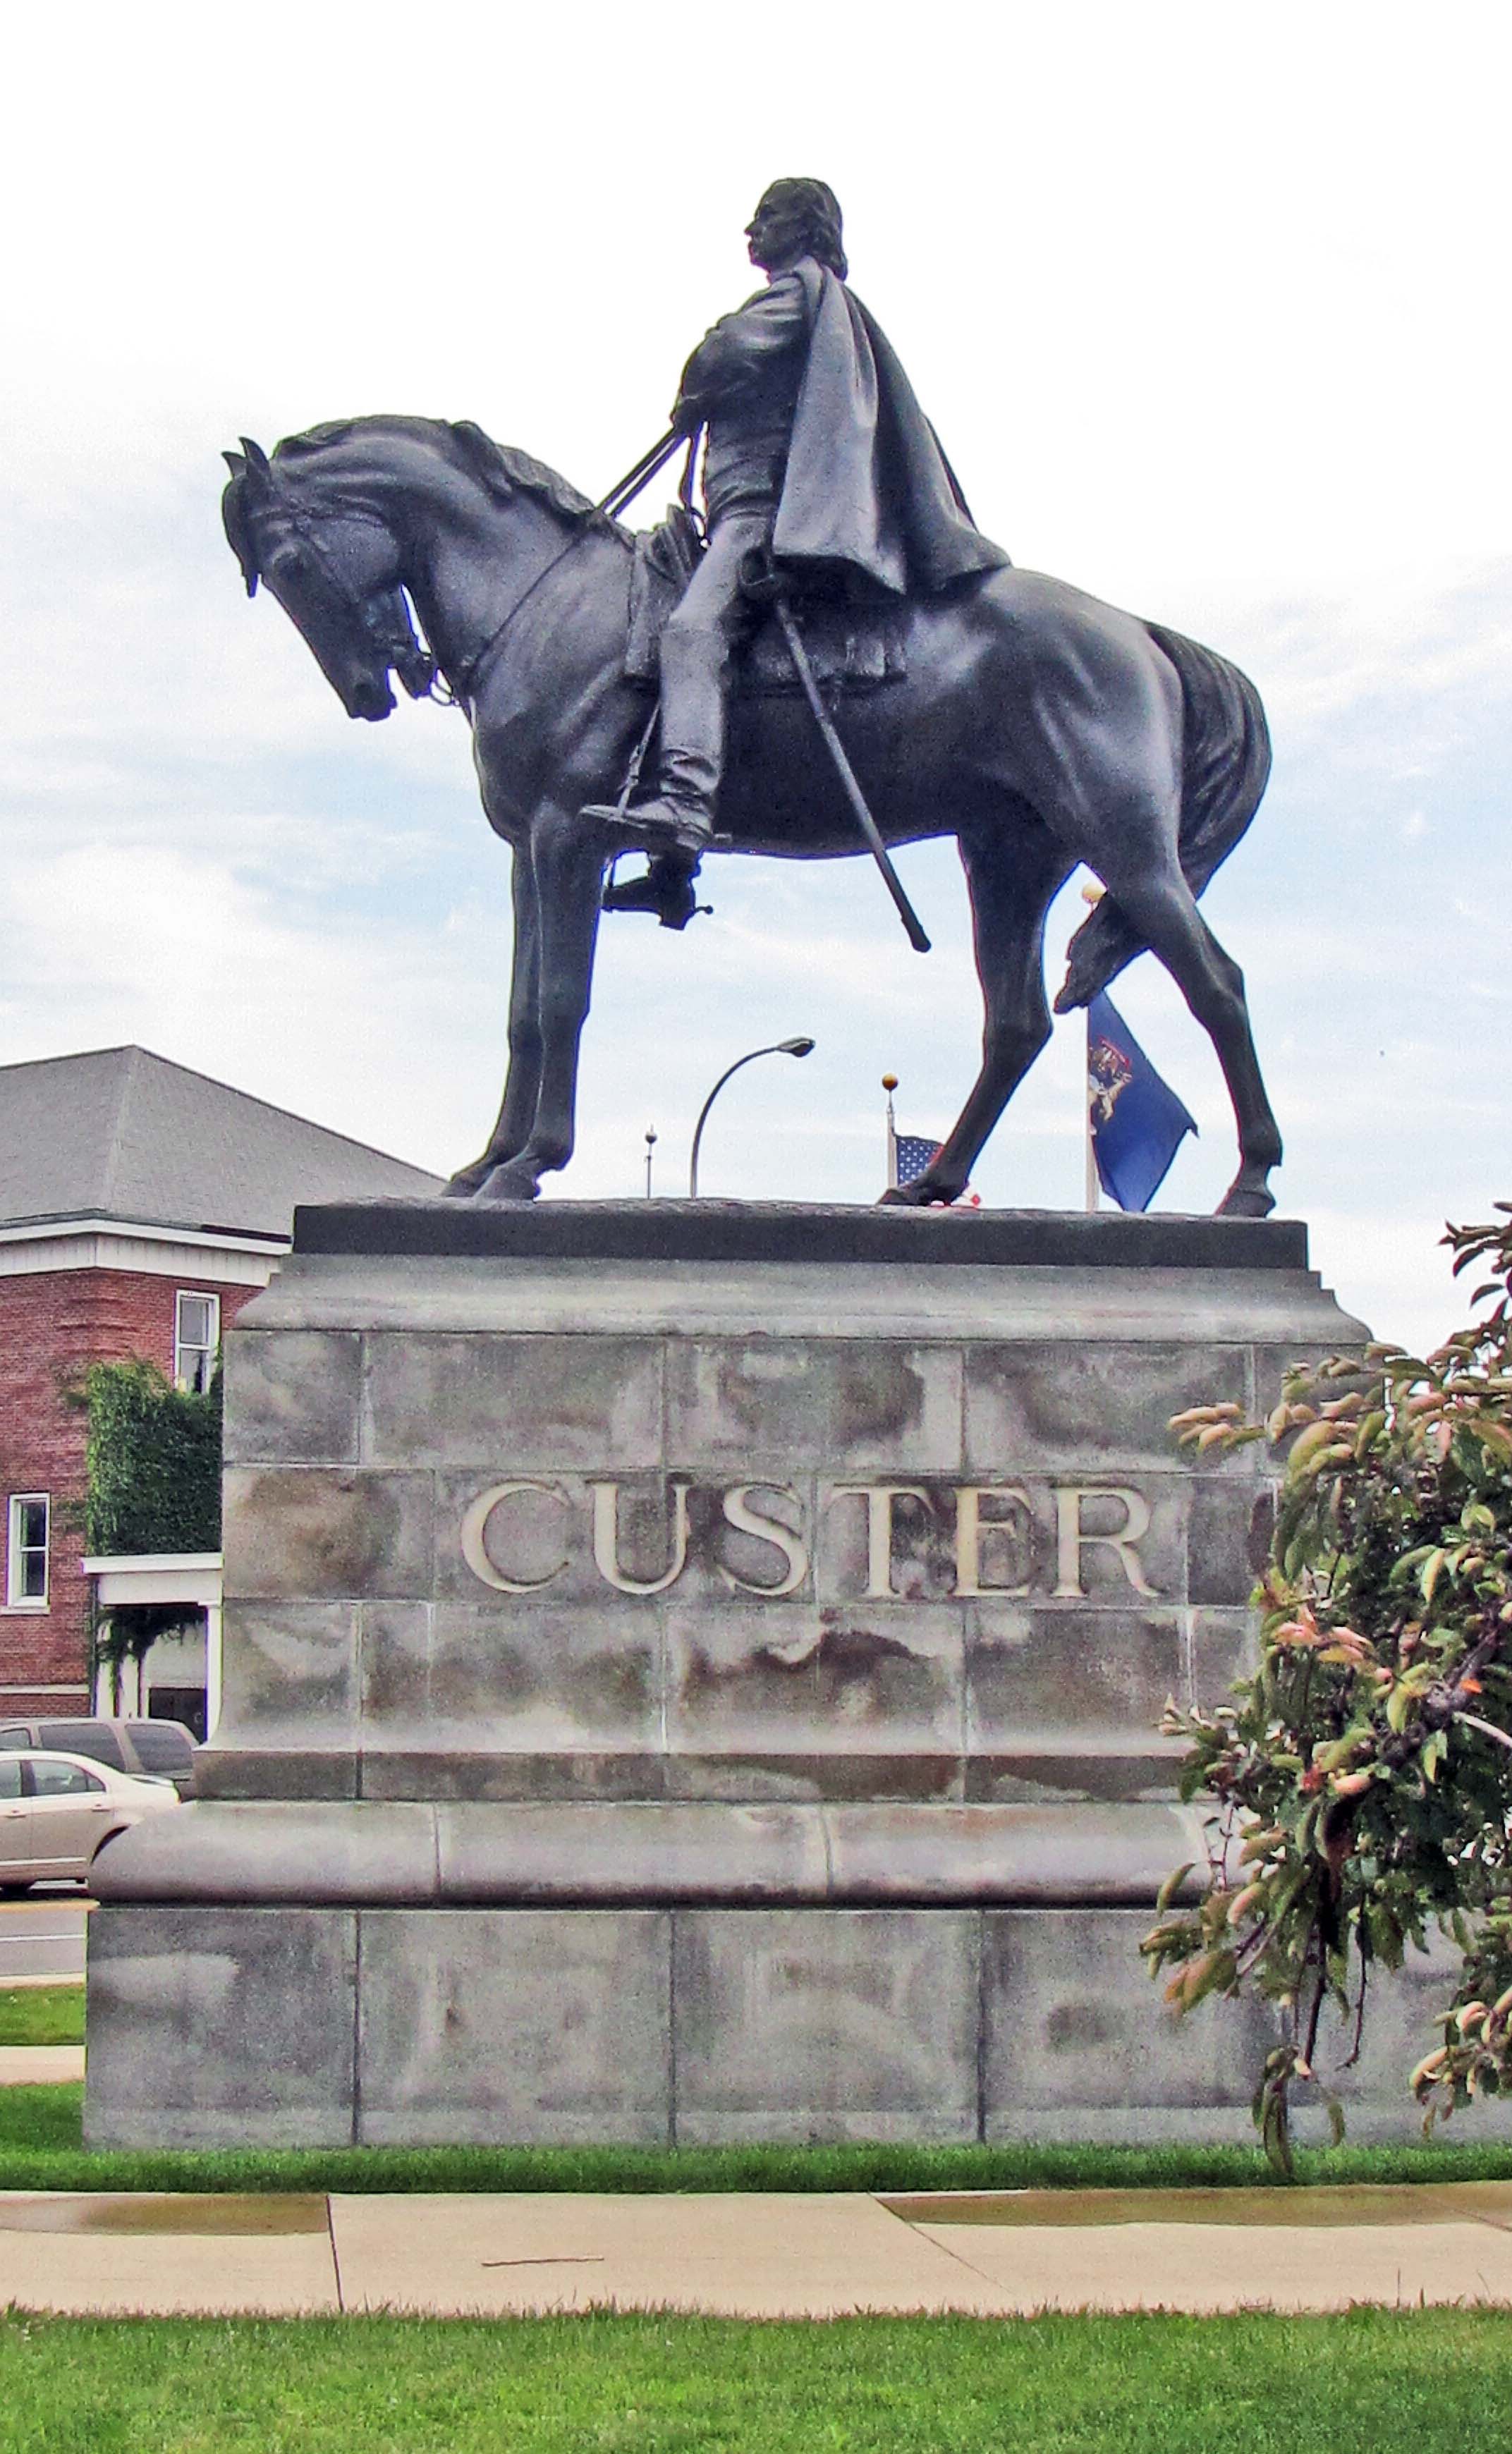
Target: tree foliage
[
  {"x": 1362, "y": 1780},
  {"x": 153, "y": 1461}
]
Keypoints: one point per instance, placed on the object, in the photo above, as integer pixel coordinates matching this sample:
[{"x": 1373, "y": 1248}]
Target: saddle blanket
[{"x": 851, "y": 648}]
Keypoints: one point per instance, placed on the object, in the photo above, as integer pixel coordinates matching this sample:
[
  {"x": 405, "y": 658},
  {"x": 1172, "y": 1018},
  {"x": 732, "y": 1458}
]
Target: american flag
[{"x": 912, "y": 1154}]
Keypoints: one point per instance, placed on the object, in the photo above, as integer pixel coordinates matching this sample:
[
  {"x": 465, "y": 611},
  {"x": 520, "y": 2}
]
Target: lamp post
[
  {"x": 779, "y": 1048},
  {"x": 651, "y": 1144}
]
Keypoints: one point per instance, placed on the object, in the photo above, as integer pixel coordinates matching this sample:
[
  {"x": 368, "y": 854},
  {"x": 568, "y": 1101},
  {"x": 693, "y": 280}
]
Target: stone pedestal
[{"x": 692, "y": 1672}]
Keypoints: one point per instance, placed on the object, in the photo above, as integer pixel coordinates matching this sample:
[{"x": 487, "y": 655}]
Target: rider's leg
[{"x": 696, "y": 647}]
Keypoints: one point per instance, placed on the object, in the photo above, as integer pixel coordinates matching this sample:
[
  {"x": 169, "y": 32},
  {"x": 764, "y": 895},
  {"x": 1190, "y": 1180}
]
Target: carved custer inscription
[{"x": 998, "y": 1541}]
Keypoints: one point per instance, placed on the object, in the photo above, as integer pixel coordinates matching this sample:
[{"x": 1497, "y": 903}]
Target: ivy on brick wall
[{"x": 154, "y": 1461}]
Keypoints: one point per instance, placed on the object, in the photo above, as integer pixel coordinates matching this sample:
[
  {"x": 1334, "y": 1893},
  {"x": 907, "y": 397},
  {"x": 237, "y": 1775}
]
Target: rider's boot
[
  {"x": 666, "y": 889},
  {"x": 678, "y": 815}
]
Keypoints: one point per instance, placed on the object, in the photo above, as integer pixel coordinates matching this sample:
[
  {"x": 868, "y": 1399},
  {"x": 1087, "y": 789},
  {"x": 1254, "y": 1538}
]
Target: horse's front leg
[
  {"x": 522, "y": 1081},
  {"x": 568, "y": 861}
]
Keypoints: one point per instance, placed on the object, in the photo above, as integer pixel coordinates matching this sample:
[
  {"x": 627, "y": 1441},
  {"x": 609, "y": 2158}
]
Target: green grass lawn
[
  {"x": 1413, "y": 2381},
  {"x": 40, "y": 2015},
  {"x": 42, "y": 2148}
]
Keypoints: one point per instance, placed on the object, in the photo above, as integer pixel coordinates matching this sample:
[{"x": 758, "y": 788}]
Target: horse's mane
[{"x": 501, "y": 467}]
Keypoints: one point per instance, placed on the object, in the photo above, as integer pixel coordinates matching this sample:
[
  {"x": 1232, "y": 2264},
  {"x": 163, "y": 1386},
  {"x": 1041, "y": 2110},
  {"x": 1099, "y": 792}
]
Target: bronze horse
[{"x": 1041, "y": 728}]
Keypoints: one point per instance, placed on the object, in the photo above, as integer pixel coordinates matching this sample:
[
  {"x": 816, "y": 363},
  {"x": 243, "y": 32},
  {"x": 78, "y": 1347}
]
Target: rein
[{"x": 619, "y": 496}]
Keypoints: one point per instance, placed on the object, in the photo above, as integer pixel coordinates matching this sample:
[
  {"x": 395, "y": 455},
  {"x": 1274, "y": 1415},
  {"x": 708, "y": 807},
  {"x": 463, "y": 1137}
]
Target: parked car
[
  {"x": 57, "y": 1810},
  {"x": 153, "y": 1747}
]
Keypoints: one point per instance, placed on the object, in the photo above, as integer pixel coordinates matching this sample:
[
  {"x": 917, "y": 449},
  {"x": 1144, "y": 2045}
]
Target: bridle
[{"x": 384, "y": 615}]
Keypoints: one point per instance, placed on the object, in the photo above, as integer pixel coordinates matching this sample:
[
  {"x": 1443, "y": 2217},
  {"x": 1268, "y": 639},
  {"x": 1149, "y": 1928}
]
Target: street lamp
[{"x": 779, "y": 1048}]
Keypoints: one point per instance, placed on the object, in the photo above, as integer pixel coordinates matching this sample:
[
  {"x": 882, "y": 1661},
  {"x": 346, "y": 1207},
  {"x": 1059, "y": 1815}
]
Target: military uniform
[{"x": 817, "y": 449}]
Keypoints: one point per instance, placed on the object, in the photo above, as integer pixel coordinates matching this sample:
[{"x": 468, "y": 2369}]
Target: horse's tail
[{"x": 1225, "y": 763}]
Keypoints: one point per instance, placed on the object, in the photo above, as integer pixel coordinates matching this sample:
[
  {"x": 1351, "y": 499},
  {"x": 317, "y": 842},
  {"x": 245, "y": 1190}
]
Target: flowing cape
[{"x": 867, "y": 488}]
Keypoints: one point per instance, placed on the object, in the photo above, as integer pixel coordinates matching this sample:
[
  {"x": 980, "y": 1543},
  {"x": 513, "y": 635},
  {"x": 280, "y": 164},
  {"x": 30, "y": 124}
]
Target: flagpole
[
  {"x": 1092, "y": 897},
  {"x": 1094, "y": 1184},
  {"x": 890, "y": 1085}
]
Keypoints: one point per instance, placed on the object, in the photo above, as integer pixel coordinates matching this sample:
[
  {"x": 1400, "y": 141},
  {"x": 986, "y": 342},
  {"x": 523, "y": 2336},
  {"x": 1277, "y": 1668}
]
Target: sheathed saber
[{"x": 912, "y": 925}]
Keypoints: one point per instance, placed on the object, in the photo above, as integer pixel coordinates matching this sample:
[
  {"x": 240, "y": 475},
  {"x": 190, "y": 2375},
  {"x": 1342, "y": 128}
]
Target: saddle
[{"x": 851, "y": 647}]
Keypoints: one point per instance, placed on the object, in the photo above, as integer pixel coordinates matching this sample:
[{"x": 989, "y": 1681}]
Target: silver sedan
[{"x": 57, "y": 1810}]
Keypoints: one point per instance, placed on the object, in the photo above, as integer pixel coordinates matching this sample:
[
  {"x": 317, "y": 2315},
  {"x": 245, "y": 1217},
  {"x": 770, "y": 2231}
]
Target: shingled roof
[{"x": 121, "y": 1133}]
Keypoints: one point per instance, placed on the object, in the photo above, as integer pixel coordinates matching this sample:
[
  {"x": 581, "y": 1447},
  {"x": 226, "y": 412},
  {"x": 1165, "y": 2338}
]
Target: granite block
[
  {"x": 1072, "y": 2022},
  {"x": 885, "y": 1539},
  {"x": 539, "y": 1541},
  {"x": 1226, "y": 1646},
  {"x": 841, "y": 1236},
  {"x": 633, "y": 1854},
  {"x": 525, "y": 2025},
  {"x": 220, "y": 2027},
  {"x": 822, "y": 1773},
  {"x": 1122, "y": 1541},
  {"x": 1228, "y": 1538},
  {"x": 264, "y": 1854},
  {"x": 748, "y": 1542},
  {"x": 864, "y": 1681},
  {"x": 1088, "y": 1403},
  {"x": 1041, "y": 1774},
  {"x": 394, "y": 1649},
  {"x": 238, "y": 1770},
  {"x": 1057, "y": 1674},
  {"x": 312, "y": 1533},
  {"x": 825, "y": 2023},
  {"x": 444, "y": 1774},
  {"x": 292, "y": 1396},
  {"x": 290, "y": 1674},
  {"x": 534, "y": 1681},
  {"x": 513, "y": 1403},
  {"x": 769, "y": 1405}
]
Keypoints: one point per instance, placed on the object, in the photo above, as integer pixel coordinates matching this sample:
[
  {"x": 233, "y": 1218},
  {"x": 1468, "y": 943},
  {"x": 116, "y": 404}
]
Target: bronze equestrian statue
[
  {"x": 1041, "y": 728},
  {"x": 818, "y": 454}
]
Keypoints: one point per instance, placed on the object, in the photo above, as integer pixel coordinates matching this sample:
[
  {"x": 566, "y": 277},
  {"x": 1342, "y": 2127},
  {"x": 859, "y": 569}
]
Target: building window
[
  {"x": 27, "y": 1552},
  {"x": 196, "y": 1336}
]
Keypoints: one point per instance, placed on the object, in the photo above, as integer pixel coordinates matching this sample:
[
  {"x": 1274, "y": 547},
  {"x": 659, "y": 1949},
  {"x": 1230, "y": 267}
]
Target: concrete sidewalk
[
  {"x": 39, "y": 2066},
  {"x": 757, "y": 2256}
]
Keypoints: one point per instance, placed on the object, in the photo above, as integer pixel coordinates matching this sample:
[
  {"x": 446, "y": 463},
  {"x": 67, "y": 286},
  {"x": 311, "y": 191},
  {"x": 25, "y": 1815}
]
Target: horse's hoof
[
  {"x": 1246, "y": 1201},
  {"x": 462, "y": 1186},
  {"x": 920, "y": 1195},
  {"x": 514, "y": 1181}
]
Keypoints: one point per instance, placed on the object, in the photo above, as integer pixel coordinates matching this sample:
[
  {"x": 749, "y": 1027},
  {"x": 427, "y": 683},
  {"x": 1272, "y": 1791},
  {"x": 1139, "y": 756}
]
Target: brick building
[{"x": 141, "y": 1205}]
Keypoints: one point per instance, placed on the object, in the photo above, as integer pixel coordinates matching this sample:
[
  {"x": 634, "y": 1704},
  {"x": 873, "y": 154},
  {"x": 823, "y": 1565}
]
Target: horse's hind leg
[
  {"x": 1161, "y": 905},
  {"x": 1014, "y": 872}
]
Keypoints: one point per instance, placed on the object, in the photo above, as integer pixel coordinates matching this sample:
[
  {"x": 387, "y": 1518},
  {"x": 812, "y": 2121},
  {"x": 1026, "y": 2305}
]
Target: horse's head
[{"x": 334, "y": 564}]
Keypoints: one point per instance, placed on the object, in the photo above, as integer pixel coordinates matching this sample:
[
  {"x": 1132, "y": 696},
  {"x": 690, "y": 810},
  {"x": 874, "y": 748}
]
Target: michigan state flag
[{"x": 1135, "y": 1120}]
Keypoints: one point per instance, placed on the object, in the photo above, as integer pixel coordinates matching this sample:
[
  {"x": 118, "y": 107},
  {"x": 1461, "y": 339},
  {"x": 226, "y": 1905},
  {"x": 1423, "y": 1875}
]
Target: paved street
[{"x": 43, "y": 1935}]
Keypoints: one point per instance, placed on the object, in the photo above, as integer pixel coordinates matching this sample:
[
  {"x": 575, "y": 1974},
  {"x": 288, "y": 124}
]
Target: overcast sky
[{"x": 1209, "y": 307}]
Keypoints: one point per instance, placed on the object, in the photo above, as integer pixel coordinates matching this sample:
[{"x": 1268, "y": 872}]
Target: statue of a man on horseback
[
  {"x": 817, "y": 456},
  {"x": 1039, "y": 728}
]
